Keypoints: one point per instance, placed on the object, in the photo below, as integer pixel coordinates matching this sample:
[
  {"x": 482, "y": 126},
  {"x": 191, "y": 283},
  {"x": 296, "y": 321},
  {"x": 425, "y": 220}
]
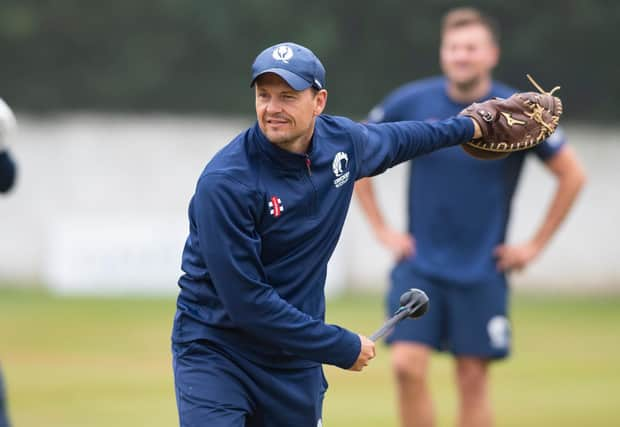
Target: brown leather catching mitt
[{"x": 520, "y": 122}]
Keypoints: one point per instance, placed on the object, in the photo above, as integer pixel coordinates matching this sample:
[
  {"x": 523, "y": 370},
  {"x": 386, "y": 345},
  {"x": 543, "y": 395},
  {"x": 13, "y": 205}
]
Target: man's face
[
  {"x": 284, "y": 114},
  {"x": 468, "y": 54}
]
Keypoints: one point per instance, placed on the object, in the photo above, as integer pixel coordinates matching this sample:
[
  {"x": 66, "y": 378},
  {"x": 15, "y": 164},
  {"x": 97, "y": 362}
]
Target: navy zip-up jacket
[{"x": 263, "y": 224}]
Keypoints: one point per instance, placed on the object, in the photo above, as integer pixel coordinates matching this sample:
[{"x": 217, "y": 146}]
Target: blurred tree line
[{"x": 195, "y": 55}]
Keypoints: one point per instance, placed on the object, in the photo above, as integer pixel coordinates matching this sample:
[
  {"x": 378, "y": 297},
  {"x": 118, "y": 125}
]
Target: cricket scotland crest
[
  {"x": 282, "y": 53},
  {"x": 340, "y": 167}
]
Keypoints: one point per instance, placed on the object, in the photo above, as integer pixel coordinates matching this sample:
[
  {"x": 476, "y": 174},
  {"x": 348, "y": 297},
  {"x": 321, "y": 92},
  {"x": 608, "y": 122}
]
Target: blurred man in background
[
  {"x": 7, "y": 180},
  {"x": 455, "y": 249}
]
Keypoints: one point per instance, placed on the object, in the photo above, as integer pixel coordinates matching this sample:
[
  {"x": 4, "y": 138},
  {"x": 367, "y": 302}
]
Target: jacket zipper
[{"x": 313, "y": 210}]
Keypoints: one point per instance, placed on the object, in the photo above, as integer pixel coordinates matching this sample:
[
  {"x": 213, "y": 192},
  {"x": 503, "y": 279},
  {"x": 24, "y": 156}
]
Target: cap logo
[{"x": 282, "y": 53}]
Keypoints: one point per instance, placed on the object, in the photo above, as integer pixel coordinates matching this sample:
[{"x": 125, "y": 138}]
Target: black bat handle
[{"x": 389, "y": 324}]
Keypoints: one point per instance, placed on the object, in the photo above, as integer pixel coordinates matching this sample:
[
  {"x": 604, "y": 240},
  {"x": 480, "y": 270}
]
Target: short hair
[{"x": 465, "y": 16}]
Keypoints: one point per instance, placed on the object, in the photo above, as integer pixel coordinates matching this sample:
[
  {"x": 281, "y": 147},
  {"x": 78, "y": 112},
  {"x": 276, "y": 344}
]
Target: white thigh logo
[
  {"x": 319, "y": 423},
  {"x": 498, "y": 329}
]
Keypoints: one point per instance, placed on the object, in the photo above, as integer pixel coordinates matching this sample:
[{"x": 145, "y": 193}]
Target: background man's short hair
[{"x": 465, "y": 16}]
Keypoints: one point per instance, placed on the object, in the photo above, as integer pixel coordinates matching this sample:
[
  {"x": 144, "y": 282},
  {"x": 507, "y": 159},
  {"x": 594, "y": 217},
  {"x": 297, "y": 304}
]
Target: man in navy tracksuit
[
  {"x": 249, "y": 335},
  {"x": 7, "y": 179}
]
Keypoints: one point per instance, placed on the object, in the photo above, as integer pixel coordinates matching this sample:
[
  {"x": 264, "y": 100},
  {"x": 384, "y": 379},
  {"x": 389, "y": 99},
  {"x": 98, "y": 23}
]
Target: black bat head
[{"x": 415, "y": 302}]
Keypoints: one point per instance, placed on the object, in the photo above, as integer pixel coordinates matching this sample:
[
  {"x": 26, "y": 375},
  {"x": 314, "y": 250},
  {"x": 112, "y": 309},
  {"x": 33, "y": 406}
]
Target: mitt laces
[
  {"x": 540, "y": 89},
  {"x": 537, "y": 112}
]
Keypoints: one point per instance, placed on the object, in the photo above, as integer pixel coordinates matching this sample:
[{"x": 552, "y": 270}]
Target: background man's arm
[
  {"x": 570, "y": 175},
  {"x": 402, "y": 245},
  {"x": 385, "y": 145}
]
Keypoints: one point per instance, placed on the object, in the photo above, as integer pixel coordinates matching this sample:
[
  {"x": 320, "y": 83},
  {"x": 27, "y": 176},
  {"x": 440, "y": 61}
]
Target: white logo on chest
[{"x": 340, "y": 166}]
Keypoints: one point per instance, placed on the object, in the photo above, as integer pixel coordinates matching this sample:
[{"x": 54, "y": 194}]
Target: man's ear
[{"x": 320, "y": 100}]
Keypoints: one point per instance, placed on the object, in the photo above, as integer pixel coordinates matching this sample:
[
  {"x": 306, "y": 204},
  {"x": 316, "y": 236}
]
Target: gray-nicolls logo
[{"x": 282, "y": 53}]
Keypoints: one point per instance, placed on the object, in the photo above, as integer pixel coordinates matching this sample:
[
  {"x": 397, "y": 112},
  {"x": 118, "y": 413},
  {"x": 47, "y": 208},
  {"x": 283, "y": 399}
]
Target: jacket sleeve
[
  {"x": 7, "y": 172},
  {"x": 381, "y": 146},
  {"x": 225, "y": 215}
]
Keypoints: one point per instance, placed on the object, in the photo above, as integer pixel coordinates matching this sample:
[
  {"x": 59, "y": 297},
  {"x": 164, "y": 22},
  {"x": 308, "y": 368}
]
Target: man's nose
[
  {"x": 273, "y": 105},
  {"x": 461, "y": 55}
]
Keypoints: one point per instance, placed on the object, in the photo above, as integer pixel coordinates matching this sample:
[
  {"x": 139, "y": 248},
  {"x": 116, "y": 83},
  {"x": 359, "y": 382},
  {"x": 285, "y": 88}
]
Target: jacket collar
[{"x": 283, "y": 158}]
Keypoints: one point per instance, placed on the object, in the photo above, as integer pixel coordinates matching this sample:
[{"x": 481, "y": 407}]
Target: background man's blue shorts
[{"x": 466, "y": 321}]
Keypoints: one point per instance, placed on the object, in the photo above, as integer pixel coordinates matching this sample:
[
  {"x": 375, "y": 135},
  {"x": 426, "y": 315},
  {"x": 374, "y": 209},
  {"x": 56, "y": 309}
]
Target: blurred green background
[
  {"x": 195, "y": 55},
  {"x": 88, "y": 361},
  {"x": 75, "y": 362}
]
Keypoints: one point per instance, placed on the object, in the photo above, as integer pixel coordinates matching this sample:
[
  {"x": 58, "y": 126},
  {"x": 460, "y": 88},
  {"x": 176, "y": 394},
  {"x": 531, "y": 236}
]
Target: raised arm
[{"x": 384, "y": 145}]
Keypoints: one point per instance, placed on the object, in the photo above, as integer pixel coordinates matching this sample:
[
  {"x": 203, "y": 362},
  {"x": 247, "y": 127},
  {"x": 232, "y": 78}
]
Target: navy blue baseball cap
[{"x": 296, "y": 64}]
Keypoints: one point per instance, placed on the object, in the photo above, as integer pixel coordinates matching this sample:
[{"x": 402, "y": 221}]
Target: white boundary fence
[{"x": 101, "y": 203}]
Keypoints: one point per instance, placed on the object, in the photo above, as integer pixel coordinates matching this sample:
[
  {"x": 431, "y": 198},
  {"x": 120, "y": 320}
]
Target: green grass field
[{"x": 76, "y": 362}]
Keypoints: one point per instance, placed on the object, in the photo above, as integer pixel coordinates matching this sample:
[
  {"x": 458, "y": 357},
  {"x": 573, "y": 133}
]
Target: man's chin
[
  {"x": 466, "y": 82},
  {"x": 277, "y": 137}
]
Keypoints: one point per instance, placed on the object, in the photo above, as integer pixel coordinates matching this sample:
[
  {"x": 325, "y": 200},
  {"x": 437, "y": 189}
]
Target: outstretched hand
[{"x": 520, "y": 122}]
